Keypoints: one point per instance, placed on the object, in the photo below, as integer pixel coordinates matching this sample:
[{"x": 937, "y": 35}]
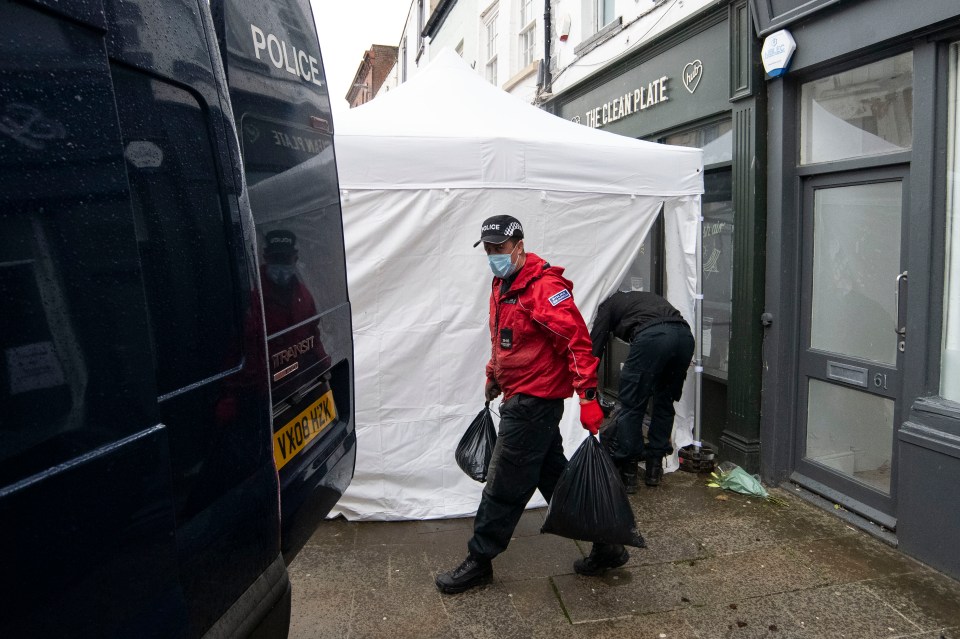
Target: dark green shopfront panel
[{"x": 692, "y": 76}]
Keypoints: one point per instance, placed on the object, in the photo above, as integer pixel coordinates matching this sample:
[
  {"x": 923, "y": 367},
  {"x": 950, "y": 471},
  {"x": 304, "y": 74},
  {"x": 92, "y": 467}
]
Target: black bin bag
[
  {"x": 476, "y": 445},
  {"x": 590, "y": 502}
]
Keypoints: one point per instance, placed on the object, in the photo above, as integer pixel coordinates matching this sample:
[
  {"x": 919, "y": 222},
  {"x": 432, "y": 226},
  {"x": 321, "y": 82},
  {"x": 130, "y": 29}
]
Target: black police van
[{"x": 176, "y": 383}]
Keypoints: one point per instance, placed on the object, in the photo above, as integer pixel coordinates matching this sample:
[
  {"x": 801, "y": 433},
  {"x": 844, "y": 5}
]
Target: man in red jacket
[
  {"x": 540, "y": 354},
  {"x": 287, "y": 302}
]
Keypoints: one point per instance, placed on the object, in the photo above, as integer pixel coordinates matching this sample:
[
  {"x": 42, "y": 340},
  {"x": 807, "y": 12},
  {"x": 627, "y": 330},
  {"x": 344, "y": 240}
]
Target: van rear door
[{"x": 282, "y": 108}]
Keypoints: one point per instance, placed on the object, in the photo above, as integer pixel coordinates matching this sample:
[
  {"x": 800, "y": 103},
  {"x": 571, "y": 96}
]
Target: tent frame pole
[{"x": 698, "y": 321}]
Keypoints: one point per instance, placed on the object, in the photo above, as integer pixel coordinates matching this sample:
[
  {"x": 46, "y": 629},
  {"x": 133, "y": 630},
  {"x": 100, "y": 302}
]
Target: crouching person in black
[{"x": 661, "y": 347}]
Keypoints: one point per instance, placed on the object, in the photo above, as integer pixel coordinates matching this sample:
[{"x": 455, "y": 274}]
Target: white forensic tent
[{"x": 420, "y": 168}]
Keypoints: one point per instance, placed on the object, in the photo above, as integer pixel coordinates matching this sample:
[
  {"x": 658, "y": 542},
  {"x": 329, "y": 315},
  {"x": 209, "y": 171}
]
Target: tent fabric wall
[{"x": 420, "y": 168}]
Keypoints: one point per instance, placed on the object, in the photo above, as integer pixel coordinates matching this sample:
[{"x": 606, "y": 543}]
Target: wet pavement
[{"x": 717, "y": 565}]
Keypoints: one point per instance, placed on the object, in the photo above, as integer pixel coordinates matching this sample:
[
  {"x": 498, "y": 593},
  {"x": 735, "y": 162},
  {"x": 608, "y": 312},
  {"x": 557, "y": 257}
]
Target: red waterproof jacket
[
  {"x": 286, "y": 306},
  {"x": 540, "y": 343}
]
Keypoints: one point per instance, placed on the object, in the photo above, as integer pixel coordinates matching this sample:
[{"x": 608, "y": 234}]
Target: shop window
[
  {"x": 716, "y": 141},
  {"x": 717, "y": 275},
  {"x": 717, "y": 243},
  {"x": 862, "y": 112},
  {"x": 950, "y": 363},
  {"x": 646, "y": 271}
]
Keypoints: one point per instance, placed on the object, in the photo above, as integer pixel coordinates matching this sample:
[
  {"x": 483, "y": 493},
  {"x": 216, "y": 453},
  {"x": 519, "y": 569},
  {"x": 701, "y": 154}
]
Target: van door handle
[{"x": 901, "y": 302}]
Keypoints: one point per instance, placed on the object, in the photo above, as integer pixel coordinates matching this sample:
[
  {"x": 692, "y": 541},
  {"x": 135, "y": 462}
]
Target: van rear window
[{"x": 296, "y": 207}]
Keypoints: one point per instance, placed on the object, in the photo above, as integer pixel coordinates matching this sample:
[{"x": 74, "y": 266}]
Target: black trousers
[
  {"x": 528, "y": 455},
  {"x": 655, "y": 368}
]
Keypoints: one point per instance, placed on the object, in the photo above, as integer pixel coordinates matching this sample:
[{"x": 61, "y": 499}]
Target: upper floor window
[
  {"x": 528, "y": 33},
  {"x": 421, "y": 20},
  {"x": 490, "y": 40},
  {"x": 605, "y": 13}
]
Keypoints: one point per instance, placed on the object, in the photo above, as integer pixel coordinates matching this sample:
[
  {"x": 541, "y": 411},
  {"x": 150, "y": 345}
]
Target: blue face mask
[
  {"x": 502, "y": 264},
  {"x": 281, "y": 273}
]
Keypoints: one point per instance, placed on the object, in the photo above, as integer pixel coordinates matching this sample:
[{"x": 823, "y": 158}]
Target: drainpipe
[{"x": 547, "y": 36}]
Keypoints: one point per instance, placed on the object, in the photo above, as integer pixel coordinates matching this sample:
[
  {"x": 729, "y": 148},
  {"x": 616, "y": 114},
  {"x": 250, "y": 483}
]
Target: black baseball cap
[
  {"x": 280, "y": 243},
  {"x": 500, "y": 228}
]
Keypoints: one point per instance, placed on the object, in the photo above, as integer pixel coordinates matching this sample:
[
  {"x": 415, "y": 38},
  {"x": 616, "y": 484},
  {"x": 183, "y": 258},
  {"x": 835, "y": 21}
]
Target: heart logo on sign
[{"x": 692, "y": 74}]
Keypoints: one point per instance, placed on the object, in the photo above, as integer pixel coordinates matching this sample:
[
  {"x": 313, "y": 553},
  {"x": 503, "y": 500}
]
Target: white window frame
[
  {"x": 527, "y": 38},
  {"x": 490, "y": 35},
  {"x": 950, "y": 353},
  {"x": 601, "y": 7},
  {"x": 421, "y": 20}
]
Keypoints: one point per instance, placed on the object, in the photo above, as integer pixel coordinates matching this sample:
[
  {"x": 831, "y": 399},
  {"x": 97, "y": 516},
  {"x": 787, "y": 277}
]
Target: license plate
[{"x": 302, "y": 429}]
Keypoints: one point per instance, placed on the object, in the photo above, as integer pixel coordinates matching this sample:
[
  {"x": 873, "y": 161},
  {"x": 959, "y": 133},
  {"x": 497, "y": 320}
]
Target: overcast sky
[{"x": 347, "y": 28}]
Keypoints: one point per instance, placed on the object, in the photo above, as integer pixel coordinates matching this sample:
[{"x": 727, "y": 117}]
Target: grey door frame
[
  {"x": 812, "y": 363},
  {"x": 843, "y": 41}
]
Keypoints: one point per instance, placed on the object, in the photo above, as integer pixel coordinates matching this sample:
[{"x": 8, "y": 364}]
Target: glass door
[{"x": 853, "y": 333}]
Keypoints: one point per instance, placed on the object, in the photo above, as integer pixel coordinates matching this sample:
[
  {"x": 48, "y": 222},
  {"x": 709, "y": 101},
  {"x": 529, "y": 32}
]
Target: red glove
[{"x": 591, "y": 416}]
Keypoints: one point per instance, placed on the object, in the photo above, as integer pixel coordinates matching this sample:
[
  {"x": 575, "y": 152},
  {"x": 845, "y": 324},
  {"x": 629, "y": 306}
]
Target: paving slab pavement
[{"x": 718, "y": 566}]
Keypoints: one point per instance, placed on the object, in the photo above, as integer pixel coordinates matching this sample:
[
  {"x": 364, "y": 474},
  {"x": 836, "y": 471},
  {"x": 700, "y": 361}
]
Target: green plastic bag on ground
[
  {"x": 729, "y": 476},
  {"x": 739, "y": 481}
]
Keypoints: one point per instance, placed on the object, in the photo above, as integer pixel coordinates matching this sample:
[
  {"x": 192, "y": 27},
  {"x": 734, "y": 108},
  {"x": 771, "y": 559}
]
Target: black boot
[
  {"x": 602, "y": 558},
  {"x": 628, "y": 474},
  {"x": 654, "y": 471},
  {"x": 474, "y": 571}
]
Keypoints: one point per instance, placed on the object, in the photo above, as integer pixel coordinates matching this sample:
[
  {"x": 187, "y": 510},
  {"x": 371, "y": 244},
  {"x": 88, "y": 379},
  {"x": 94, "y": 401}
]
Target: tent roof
[{"x": 448, "y": 128}]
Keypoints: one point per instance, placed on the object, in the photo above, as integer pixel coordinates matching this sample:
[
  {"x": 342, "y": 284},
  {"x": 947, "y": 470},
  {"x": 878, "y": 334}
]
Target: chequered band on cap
[{"x": 500, "y": 228}]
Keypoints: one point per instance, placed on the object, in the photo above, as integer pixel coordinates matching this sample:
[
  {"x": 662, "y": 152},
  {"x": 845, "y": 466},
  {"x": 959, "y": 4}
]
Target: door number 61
[{"x": 880, "y": 380}]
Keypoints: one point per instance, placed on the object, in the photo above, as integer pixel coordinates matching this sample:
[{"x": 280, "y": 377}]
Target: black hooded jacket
[{"x": 627, "y": 313}]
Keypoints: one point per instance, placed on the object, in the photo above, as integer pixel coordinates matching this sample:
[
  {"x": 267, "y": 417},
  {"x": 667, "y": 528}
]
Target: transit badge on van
[{"x": 302, "y": 429}]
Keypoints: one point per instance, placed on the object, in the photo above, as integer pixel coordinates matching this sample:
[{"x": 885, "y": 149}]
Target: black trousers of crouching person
[
  {"x": 655, "y": 368},
  {"x": 528, "y": 455}
]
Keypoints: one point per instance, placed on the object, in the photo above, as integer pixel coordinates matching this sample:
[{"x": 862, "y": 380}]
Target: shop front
[
  {"x": 861, "y": 401},
  {"x": 697, "y": 86}
]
